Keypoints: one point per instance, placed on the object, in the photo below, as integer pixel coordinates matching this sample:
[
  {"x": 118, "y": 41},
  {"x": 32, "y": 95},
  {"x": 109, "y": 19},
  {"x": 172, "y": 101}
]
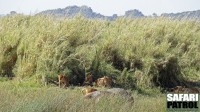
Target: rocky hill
[
  {"x": 133, "y": 13},
  {"x": 71, "y": 11},
  {"x": 184, "y": 15},
  {"x": 74, "y": 10},
  {"x": 86, "y": 11}
]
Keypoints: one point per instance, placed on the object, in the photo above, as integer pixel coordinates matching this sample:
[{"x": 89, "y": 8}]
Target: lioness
[{"x": 63, "y": 80}]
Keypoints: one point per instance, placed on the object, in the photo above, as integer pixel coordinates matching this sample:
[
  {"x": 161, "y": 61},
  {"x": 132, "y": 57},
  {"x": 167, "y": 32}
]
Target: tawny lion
[
  {"x": 88, "y": 90},
  {"x": 63, "y": 80},
  {"x": 181, "y": 89},
  {"x": 88, "y": 80},
  {"x": 104, "y": 81}
]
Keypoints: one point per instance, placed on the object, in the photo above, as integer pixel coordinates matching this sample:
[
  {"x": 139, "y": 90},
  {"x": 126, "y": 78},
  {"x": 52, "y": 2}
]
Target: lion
[
  {"x": 177, "y": 89},
  {"x": 88, "y": 90},
  {"x": 181, "y": 89},
  {"x": 104, "y": 81},
  {"x": 63, "y": 80},
  {"x": 88, "y": 80},
  {"x": 97, "y": 95}
]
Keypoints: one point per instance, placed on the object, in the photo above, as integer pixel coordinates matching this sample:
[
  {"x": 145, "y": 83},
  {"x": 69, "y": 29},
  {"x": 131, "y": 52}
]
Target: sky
[{"x": 105, "y": 7}]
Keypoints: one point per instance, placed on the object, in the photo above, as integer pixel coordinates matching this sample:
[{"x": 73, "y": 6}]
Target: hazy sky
[{"x": 106, "y": 7}]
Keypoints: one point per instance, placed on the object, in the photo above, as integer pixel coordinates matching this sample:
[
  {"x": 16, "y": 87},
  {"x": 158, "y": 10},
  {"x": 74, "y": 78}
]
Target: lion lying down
[
  {"x": 97, "y": 95},
  {"x": 88, "y": 90},
  {"x": 181, "y": 89}
]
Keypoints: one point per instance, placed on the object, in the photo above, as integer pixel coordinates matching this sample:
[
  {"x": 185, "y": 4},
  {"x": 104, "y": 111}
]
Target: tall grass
[{"x": 136, "y": 50}]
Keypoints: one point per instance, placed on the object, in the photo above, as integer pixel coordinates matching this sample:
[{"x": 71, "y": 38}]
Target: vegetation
[
  {"x": 146, "y": 52},
  {"x": 137, "y": 53},
  {"x": 53, "y": 99}
]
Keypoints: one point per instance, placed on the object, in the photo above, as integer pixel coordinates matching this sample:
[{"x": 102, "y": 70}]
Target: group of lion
[
  {"x": 104, "y": 81},
  {"x": 90, "y": 92}
]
